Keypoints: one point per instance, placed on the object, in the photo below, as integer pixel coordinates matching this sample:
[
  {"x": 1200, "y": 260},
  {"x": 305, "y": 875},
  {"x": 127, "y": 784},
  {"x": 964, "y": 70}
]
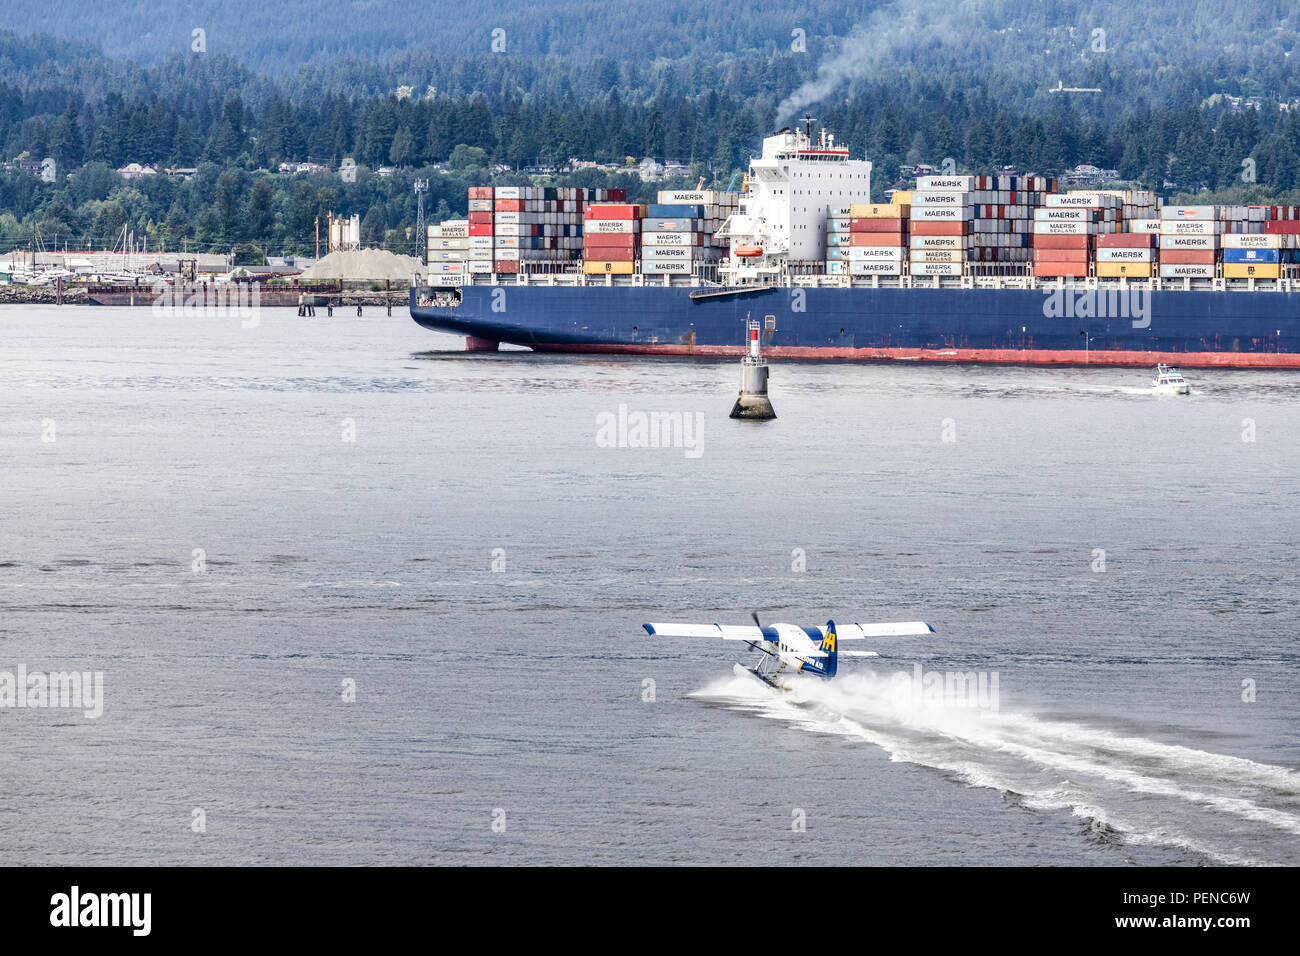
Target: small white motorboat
[{"x": 1169, "y": 381}]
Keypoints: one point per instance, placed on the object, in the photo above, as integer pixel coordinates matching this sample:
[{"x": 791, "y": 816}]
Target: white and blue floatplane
[{"x": 802, "y": 650}]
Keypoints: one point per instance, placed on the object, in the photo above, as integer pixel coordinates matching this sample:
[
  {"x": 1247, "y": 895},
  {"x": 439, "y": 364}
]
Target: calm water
[{"x": 1121, "y": 734}]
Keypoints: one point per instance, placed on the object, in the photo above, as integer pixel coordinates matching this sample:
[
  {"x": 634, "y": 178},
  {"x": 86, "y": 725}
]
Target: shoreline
[{"x": 143, "y": 296}]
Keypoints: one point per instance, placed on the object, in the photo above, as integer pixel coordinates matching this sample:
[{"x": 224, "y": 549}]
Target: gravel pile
[{"x": 364, "y": 264}]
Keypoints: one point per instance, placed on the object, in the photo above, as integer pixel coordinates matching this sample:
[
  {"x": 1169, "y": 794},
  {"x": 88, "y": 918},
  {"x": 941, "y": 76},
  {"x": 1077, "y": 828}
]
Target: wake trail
[{"x": 1229, "y": 809}]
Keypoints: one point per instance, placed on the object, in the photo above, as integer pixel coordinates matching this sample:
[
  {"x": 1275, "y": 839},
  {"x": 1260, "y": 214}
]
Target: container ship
[{"x": 960, "y": 269}]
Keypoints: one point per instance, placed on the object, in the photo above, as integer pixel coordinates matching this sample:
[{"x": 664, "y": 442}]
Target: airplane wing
[
  {"x": 858, "y": 632},
  {"x": 727, "y": 632}
]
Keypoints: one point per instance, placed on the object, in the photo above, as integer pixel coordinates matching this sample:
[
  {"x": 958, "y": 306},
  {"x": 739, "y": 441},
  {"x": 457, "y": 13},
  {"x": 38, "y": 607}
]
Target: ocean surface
[{"x": 278, "y": 545}]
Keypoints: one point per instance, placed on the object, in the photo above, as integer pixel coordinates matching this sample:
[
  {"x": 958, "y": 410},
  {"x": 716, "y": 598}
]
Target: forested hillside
[{"x": 409, "y": 85}]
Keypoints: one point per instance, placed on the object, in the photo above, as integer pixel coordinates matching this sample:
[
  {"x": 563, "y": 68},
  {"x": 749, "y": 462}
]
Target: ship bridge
[{"x": 789, "y": 193}]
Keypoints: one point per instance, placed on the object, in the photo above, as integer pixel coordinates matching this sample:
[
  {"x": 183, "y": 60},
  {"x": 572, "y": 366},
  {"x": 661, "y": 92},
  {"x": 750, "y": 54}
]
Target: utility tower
[{"x": 421, "y": 231}]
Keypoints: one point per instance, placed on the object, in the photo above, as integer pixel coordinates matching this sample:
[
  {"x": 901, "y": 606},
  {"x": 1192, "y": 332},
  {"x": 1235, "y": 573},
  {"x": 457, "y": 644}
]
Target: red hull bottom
[{"x": 1002, "y": 356}]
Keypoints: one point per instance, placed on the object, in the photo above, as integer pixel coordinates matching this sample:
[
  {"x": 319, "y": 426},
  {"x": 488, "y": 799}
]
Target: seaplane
[{"x": 790, "y": 649}]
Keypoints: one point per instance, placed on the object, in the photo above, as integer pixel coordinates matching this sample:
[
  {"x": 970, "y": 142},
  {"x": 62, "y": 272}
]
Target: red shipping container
[
  {"x": 878, "y": 238},
  {"x": 1187, "y": 257},
  {"x": 877, "y": 225},
  {"x": 1061, "y": 242},
  {"x": 480, "y": 217},
  {"x": 1285, "y": 226},
  {"x": 609, "y": 254},
  {"x": 1061, "y": 255},
  {"x": 1052, "y": 270},
  {"x": 617, "y": 195},
  {"x": 506, "y": 265},
  {"x": 927, "y": 228},
  {"x": 480, "y": 228},
  {"x": 1125, "y": 240},
  {"x": 609, "y": 240},
  {"x": 509, "y": 205},
  {"x": 611, "y": 211},
  {"x": 480, "y": 192}
]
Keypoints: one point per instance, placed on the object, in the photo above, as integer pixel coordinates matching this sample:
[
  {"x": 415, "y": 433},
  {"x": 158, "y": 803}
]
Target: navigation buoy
[{"x": 753, "y": 403}]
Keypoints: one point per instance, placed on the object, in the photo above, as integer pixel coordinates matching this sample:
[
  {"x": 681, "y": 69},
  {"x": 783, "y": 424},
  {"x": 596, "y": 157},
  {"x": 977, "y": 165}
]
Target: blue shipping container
[
  {"x": 1268, "y": 256},
  {"x": 668, "y": 211}
]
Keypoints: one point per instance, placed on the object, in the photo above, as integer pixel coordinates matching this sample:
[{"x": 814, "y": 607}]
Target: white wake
[{"x": 1228, "y": 809}]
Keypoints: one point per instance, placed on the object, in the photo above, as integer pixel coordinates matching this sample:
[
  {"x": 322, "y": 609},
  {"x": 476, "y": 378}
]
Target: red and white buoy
[{"x": 753, "y": 403}]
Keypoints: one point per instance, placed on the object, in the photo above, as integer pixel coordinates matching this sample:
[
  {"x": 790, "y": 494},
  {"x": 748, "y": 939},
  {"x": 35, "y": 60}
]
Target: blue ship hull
[{"x": 1048, "y": 326}]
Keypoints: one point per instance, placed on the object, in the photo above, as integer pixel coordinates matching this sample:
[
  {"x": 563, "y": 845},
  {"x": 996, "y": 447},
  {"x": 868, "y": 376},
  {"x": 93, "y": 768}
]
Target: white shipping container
[
  {"x": 1186, "y": 271},
  {"x": 940, "y": 197},
  {"x": 1189, "y": 242},
  {"x": 938, "y": 242},
  {"x": 867, "y": 268},
  {"x": 1065, "y": 200},
  {"x": 1187, "y": 212},
  {"x": 940, "y": 214},
  {"x": 936, "y": 268},
  {"x": 945, "y": 182},
  {"x": 938, "y": 255},
  {"x": 506, "y": 254},
  {"x": 480, "y": 266},
  {"x": 1124, "y": 255},
  {"x": 507, "y": 192},
  {"x": 1144, "y": 226},
  {"x": 657, "y": 267},
  {"x": 675, "y": 197},
  {"x": 1258, "y": 240},
  {"x": 667, "y": 253},
  {"x": 669, "y": 238},
  {"x": 878, "y": 253},
  {"x": 609, "y": 225},
  {"x": 1051, "y": 214},
  {"x": 437, "y": 242},
  {"x": 1190, "y": 227},
  {"x": 1063, "y": 228}
]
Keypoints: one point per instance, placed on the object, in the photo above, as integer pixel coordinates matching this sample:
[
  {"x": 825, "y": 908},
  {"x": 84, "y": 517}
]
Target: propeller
[{"x": 754, "y": 615}]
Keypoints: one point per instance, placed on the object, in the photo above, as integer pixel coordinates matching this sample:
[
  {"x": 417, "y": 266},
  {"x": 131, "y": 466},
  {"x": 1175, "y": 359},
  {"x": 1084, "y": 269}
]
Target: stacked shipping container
[
  {"x": 510, "y": 225},
  {"x": 447, "y": 247},
  {"x": 878, "y": 236},
  {"x": 611, "y": 238},
  {"x": 940, "y": 225},
  {"x": 1189, "y": 241},
  {"x": 838, "y": 235},
  {"x": 716, "y": 206},
  {"x": 672, "y": 238},
  {"x": 1002, "y": 228}
]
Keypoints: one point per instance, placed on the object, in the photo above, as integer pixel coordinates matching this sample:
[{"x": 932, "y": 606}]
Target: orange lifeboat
[{"x": 747, "y": 252}]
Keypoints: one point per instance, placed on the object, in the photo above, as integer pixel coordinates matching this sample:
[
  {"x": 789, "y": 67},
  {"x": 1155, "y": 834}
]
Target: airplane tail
[{"x": 825, "y": 666}]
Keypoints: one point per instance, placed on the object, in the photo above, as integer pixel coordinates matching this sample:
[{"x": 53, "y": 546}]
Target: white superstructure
[{"x": 787, "y": 196}]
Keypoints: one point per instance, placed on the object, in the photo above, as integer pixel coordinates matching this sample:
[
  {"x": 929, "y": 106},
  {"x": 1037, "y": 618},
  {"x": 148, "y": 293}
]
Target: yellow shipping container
[
  {"x": 1251, "y": 270},
  {"x": 1129, "y": 270},
  {"x": 601, "y": 267},
  {"x": 902, "y": 197},
  {"x": 861, "y": 210}
]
